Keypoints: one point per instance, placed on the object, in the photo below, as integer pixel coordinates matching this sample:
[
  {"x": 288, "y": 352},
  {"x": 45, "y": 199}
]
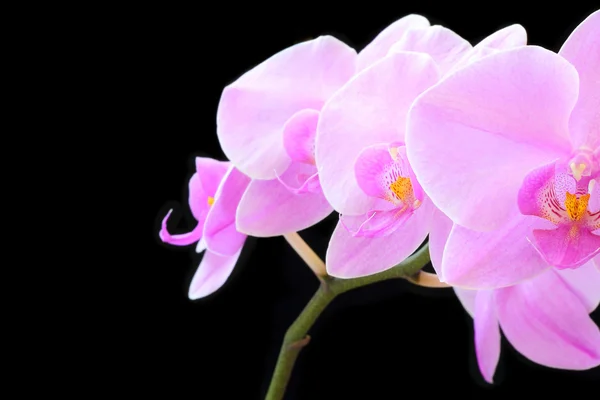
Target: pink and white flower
[
  {"x": 361, "y": 151},
  {"x": 266, "y": 124},
  {"x": 214, "y": 194},
  {"x": 545, "y": 318},
  {"x": 508, "y": 147}
]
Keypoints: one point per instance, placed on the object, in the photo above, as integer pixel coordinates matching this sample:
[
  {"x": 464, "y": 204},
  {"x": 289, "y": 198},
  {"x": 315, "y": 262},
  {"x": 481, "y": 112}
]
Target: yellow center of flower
[
  {"x": 402, "y": 188},
  {"x": 576, "y": 207},
  {"x": 210, "y": 201}
]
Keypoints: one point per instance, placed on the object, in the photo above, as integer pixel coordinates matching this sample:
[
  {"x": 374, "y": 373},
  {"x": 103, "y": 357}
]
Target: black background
[{"x": 389, "y": 340}]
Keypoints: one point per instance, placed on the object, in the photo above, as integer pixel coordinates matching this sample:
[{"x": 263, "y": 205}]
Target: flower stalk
[{"x": 297, "y": 336}]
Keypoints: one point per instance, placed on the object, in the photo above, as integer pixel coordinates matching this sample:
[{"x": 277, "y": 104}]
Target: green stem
[{"x": 297, "y": 337}]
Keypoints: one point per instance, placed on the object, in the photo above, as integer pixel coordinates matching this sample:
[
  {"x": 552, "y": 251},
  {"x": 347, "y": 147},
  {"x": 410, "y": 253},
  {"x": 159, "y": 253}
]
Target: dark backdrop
[{"x": 389, "y": 340}]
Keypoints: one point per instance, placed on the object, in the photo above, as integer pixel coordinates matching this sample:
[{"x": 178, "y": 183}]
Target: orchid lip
[
  {"x": 562, "y": 193},
  {"x": 383, "y": 173}
]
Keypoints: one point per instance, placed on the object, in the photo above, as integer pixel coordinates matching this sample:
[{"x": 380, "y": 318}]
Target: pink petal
[
  {"x": 198, "y": 198},
  {"x": 179, "y": 240},
  {"x": 310, "y": 184},
  {"x": 220, "y": 233},
  {"x": 353, "y": 257},
  {"x": 597, "y": 262},
  {"x": 594, "y": 202},
  {"x": 548, "y": 324},
  {"x": 506, "y": 38},
  {"x": 299, "y": 136},
  {"x": 443, "y": 45},
  {"x": 270, "y": 209},
  {"x": 210, "y": 173},
  {"x": 370, "y": 109},
  {"x": 254, "y": 108},
  {"x": 487, "y": 260},
  {"x": 582, "y": 49},
  {"x": 568, "y": 246},
  {"x": 543, "y": 192},
  {"x": 467, "y": 298},
  {"x": 376, "y": 223},
  {"x": 484, "y": 127},
  {"x": 370, "y": 165},
  {"x": 380, "y": 46},
  {"x": 376, "y": 170},
  {"x": 475, "y": 54},
  {"x": 200, "y": 246},
  {"x": 487, "y": 334},
  {"x": 212, "y": 273},
  {"x": 441, "y": 226},
  {"x": 584, "y": 282}
]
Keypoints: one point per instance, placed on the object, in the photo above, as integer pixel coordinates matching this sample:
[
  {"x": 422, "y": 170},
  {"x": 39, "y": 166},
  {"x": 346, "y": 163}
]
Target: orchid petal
[
  {"x": 311, "y": 184},
  {"x": 485, "y": 126},
  {"x": 209, "y": 174},
  {"x": 212, "y": 273},
  {"x": 582, "y": 49},
  {"x": 198, "y": 196},
  {"x": 475, "y": 54},
  {"x": 353, "y": 257},
  {"x": 467, "y": 299},
  {"x": 182, "y": 239},
  {"x": 269, "y": 209},
  {"x": 585, "y": 282},
  {"x": 594, "y": 191},
  {"x": 370, "y": 166},
  {"x": 253, "y": 109},
  {"x": 441, "y": 226},
  {"x": 299, "y": 136},
  {"x": 493, "y": 259},
  {"x": 506, "y": 38},
  {"x": 381, "y": 168},
  {"x": 444, "y": 46},
  {"x": 380, "y": 46},
  {"x": 568, "y": 246},
  {"x": 487, "y": 334},
  {"x": 201, "y": 245},
  {"x": 370, "y": 109},
  {"x": 543, "y": 192},
  {"x": 376, "y": 223},
  {"x": 220, "y": 233},
  {"x": 547, "y": 323}
]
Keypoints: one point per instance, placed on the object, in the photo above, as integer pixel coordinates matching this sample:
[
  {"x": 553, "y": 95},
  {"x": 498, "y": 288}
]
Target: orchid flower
[
  {"x": 266, "y": 124},
  {"x": 214, "y": 193},
  {"x": 360, "y": 148},
  {"x": 545, "y": 319},
  {"x": 515, "y": 135}
]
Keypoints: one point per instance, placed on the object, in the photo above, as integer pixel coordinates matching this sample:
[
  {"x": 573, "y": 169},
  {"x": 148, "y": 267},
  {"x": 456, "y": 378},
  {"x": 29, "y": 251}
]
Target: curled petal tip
[
  {"x": 164, "y": 233},
  {"x": 182, "y": 239}
]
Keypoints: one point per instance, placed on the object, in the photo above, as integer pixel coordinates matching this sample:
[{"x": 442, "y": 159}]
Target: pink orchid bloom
[
  {"x": 516, "y": 136},
  {"x": 266, "y": 124},
  {"x": 360, "y": 151},
  {"x": 214, "y": 193},
  {"x": 545, "y": 318}
]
